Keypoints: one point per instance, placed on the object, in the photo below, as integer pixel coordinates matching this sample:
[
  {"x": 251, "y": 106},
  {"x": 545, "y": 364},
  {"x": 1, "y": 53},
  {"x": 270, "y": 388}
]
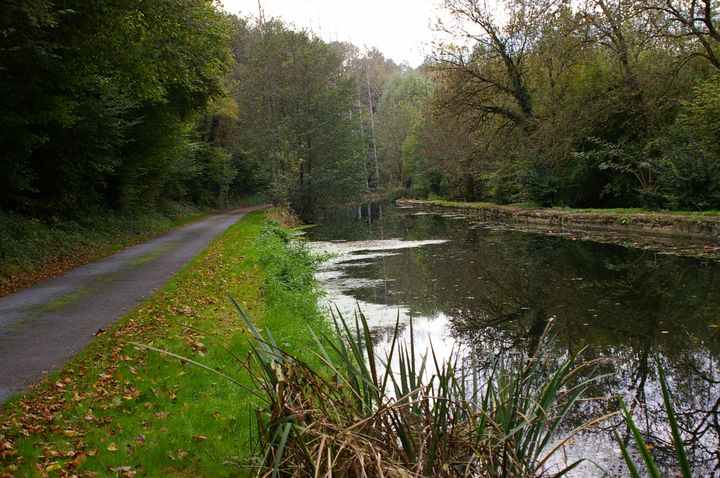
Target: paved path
[{"x": 44, "y": 326}]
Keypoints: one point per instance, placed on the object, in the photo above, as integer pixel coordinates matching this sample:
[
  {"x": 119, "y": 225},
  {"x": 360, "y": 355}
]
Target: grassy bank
[
  {"x": 704, "y": 226},
  {"x": 619, "y": 212},
  {"x": 118, "y": 410}
]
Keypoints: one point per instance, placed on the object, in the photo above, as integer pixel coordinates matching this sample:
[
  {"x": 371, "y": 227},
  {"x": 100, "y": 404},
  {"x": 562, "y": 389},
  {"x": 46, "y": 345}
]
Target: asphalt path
[{"x": 44, "y": 326}]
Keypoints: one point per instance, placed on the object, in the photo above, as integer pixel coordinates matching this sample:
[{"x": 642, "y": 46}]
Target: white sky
[{"x": 401, "y": 29}]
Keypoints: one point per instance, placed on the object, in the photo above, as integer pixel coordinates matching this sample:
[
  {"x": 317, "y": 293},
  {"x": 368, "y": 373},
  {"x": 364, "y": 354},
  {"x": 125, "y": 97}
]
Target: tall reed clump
[{"x": 403, "y": 415}]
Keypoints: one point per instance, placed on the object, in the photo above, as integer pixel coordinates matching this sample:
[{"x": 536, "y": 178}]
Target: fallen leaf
[
  {"x": 121, "y": 469},
  {"x": 79, "y": 460},
  {"x": 112, "y": 447}
]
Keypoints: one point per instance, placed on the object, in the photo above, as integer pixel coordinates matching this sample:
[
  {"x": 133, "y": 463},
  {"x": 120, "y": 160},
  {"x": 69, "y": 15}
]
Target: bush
[
  {"x": 504, "y": 187},
  {"x": 542, "y": 186}
]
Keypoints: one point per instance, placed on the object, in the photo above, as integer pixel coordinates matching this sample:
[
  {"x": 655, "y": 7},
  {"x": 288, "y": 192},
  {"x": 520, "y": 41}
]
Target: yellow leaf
[{"x": 112, "y": 447}]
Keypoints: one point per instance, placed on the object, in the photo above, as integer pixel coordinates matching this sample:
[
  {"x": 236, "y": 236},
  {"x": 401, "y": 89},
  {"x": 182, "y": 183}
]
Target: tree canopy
[
  {"x": 598, "y": 103},
  {"x": 123, "y": 105}
]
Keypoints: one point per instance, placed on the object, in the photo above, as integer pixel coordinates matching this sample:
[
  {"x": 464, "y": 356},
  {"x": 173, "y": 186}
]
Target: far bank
[{"x": 694, "y": 234}]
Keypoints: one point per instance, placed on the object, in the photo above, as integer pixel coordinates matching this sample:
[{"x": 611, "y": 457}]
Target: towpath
[{"x": 44, "y": 326}]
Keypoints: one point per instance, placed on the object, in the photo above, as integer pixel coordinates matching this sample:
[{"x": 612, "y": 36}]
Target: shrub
[{"x": 690, "y": 164}]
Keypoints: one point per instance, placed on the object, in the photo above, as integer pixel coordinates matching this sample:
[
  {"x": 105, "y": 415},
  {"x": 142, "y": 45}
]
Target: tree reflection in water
[{"x": 499, "y": 289}]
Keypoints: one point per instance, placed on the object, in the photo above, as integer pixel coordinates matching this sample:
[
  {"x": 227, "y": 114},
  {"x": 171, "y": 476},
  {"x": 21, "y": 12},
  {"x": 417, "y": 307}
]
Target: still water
[{"x": 488, "y": 290}]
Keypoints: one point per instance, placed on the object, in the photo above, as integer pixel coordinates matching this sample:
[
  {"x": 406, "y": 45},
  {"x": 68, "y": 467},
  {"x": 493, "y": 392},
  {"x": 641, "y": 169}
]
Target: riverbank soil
[
  {"x": 121, "y": 410},
  {"x": 693, "y": 234}
]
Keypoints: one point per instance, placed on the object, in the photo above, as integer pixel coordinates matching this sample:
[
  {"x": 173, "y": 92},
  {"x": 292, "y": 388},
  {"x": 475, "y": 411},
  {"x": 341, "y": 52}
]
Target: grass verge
[{"x": 117, "y": 410}]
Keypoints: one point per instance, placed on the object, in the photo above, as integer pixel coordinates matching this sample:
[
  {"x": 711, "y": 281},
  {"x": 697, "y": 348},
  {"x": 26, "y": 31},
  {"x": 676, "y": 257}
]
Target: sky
[{"x": 401, "y": 29}]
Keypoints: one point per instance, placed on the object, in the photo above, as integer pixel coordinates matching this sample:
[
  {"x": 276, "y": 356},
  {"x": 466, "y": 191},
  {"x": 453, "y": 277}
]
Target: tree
[
  {"x": 574, "y": 103},
  {"x": 399, "y": 117},
  {"x": 296, "y": 120},
  {"x": 99, "y": 99},
  {"x": 370, "y": 71},
  {"x": 682, "y": 19},
  {"x": 491, "y": 73}
]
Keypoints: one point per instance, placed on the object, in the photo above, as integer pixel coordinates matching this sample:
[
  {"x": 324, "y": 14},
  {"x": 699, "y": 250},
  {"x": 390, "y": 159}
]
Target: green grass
[
  {"x": 118, "y": 409},
  {"x": 612, "y": 212},
  {"x": 630, "y": 211}
]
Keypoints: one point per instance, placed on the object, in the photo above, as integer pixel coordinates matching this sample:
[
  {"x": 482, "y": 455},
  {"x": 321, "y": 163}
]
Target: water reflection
[{"x": 493, "y": 290}]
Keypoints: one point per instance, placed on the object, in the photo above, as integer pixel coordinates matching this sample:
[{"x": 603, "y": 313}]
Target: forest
[{"x": 123, "y": 106}]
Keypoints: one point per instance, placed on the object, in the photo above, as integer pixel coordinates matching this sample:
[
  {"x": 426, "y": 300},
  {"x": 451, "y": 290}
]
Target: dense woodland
[
  {"x": 594, "y": 103},
  {"x": 115, "y": 105}
]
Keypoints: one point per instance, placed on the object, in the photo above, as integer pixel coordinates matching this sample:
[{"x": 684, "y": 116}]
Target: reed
[
  {"x": 650, "y": 467},
  {"x": 405, "y": 415}
]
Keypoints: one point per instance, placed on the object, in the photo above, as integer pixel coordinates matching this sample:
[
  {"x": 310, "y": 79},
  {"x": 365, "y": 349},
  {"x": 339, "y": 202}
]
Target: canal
[{"x": 489, "y": 290}]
